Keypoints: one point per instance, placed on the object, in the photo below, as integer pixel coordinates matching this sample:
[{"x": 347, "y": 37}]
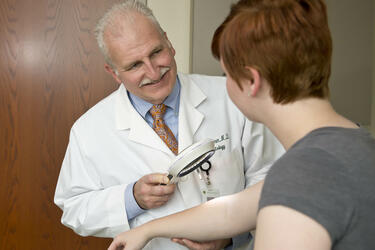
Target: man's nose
[{"x": 152, "y": 71}]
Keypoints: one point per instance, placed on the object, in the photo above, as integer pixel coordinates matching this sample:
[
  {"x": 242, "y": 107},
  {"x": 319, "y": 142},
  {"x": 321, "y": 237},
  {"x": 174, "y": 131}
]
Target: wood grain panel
[{"x": 51, "y": 72}]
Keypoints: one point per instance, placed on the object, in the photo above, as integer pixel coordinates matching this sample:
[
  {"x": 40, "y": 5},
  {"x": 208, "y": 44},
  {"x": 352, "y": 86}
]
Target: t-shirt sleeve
[{"x": 314, "y": 183}]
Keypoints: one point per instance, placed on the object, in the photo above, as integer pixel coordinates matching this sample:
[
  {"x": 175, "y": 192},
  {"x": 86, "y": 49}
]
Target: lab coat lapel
[
  {"x": 189, "y": 122},
  {"x": 189, "y": 117},
  {"x": 128, "y": 118}
]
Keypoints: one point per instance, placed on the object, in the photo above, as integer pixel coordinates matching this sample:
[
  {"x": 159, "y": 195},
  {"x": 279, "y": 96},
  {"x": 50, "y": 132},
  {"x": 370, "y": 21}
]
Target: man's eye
[
  {"x": 156, "y": 52},
  {"x": 134, "y": 66}
]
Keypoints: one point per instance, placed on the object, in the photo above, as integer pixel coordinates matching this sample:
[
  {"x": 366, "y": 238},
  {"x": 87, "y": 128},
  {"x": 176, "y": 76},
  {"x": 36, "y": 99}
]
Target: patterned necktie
[{"x": 157, "y": 112}]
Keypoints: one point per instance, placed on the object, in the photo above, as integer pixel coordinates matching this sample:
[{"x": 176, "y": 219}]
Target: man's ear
[
  {"x": 254, "y": 82},
  {"x": 112, "y": 72},
  {"x": 169, "y": 44}
]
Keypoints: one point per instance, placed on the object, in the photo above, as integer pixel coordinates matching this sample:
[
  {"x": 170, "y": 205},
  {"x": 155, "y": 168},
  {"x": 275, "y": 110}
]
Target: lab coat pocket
[{"x": 227, "y": 173}]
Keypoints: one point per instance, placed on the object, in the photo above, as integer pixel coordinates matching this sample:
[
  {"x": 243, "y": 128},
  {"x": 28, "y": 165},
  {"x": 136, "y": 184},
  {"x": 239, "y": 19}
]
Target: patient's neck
[{"x": 291, "y": 122}]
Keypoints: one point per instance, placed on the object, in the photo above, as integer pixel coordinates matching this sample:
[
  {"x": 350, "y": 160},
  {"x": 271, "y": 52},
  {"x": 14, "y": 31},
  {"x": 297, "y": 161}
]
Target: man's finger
[
  {"x": 178, "y": 241},
  {"x": 192, "y": 244},
  {"x": 156, "y": 179},
  {"x": 162, "y": 190},
  {"x": 188, "y": 243},
  {"x": 153, "y": 201},
  {"x": 159, "y": 204}
]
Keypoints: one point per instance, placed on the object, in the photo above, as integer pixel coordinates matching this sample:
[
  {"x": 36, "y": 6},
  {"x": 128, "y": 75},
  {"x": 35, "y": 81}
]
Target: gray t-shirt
[{"x": 329, "y": 175}]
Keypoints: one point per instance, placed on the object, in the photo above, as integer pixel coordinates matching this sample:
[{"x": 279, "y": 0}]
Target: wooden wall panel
[{"x": 51, "y": 72}]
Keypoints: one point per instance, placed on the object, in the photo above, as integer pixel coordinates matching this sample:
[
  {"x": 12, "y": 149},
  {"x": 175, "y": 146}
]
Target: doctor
[{"x": 115, "y": 161}]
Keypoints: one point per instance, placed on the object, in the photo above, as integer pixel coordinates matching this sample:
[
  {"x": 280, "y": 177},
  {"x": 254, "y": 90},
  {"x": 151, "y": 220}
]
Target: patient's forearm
[{"x": 217, "y": 219}]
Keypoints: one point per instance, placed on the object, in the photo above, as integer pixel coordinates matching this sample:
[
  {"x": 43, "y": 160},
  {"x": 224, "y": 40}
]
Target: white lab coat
[{"x": 111, "y": 146}]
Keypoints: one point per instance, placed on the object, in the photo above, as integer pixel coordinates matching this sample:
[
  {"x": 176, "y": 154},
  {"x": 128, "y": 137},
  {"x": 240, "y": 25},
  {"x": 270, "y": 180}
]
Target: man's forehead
[
  {"x": 136, "y": 39},
  {"x": 130, "y": 42},
  {"x": 126, "y": 51},
  {"x": 130, "y": 25}
]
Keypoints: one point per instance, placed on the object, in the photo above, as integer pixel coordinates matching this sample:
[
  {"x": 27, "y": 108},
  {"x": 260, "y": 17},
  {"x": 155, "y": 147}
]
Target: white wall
[{"x": 175, "y": 17}]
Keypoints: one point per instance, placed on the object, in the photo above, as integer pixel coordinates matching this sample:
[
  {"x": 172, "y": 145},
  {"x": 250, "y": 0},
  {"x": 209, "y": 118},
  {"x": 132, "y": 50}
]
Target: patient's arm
[{"x": 217, "y": 219}]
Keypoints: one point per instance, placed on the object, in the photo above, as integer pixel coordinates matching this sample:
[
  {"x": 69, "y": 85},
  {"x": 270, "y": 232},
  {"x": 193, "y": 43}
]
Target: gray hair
[{"x": 122, "y": 10}]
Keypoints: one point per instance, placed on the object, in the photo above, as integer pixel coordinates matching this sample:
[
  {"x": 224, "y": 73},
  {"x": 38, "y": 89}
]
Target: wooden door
[{"x": 51, "y": 72}]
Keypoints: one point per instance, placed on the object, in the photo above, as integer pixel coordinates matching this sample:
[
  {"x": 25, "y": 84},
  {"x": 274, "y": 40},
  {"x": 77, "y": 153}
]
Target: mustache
[{"x": 147, "y": 81}]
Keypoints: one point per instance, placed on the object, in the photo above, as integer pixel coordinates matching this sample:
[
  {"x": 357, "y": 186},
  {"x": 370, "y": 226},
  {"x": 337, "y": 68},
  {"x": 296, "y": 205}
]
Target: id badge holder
[
  {"x": 207, "y": 189},
  {"x": 212, "y": 193},
  {"x": 209, "y": 193}
]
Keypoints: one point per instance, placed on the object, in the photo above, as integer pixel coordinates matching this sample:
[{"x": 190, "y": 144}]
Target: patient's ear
[{"x": 253, "y": 83}]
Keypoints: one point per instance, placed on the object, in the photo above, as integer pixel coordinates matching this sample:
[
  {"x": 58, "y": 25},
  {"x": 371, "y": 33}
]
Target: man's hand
[
  {"x": 208, "y": 245},
  {"x": 150, "y": 194}
]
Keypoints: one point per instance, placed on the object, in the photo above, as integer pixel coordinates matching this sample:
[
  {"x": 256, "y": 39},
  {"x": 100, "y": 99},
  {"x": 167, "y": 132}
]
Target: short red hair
[{"x": 287, "y": 41}]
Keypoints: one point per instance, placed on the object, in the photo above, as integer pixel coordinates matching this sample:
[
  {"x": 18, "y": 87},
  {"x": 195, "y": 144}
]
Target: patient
[{"x": 320, "y": 194}]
